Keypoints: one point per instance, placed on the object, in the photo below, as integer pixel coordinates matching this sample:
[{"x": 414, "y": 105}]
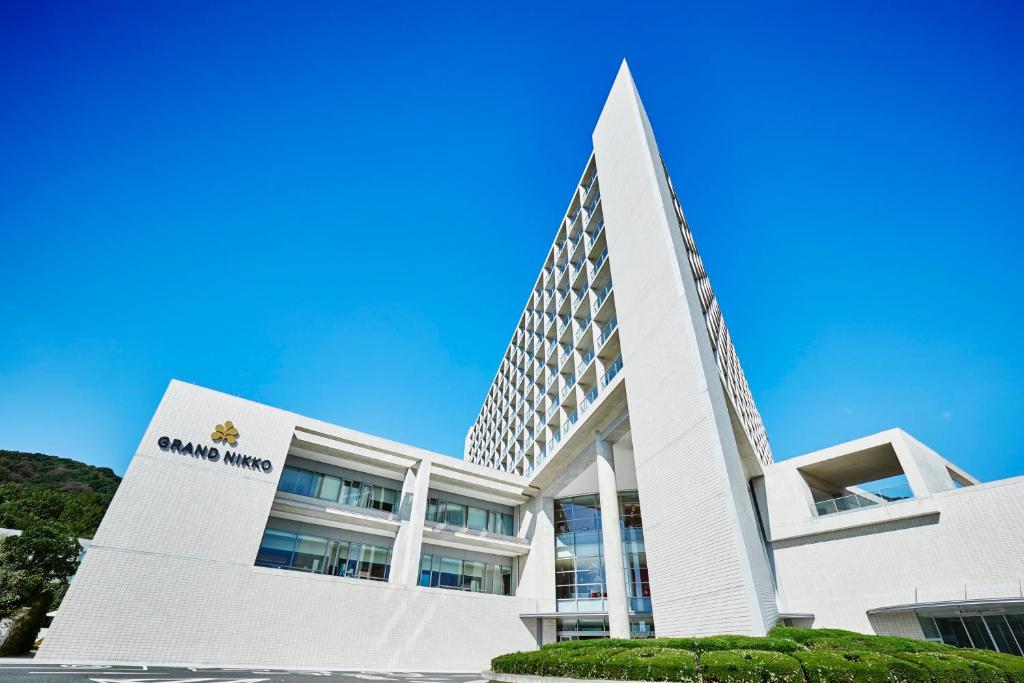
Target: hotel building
[{"x": 617, "y": 481}]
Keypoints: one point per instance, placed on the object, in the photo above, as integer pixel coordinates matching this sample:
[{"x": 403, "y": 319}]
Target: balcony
[
  {"x": 588, "y": 400},
  {"x": 569, "y": 384},
  {"x": 601, "y": 259},
  {"x": 584, "y": 324},
  {"x": 612, "y": 370},
  {"x": 598, "y": 229},
  {"x": 603, "y": 294},
  {"x": 606, "y": 331},
  {"x": 854, "y": 501}
]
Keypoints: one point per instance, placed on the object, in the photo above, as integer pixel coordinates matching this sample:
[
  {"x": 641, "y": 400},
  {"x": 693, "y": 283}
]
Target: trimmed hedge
[
  {"x": 787, "y": 655},
  {"x": 749, "y": 666},
  {"x": 1012, "y": 667},
  {"x": 830, "y": 666},
  {"x": 697, "y": 645},
  {"x": 954, "y": 669},
  {"x": 838, "y": 639}
]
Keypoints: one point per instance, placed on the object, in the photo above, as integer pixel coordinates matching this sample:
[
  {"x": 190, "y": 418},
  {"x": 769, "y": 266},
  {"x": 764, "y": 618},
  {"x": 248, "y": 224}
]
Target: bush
[
  {"x": 749, "y": 666},
  {"x": 697, "y": 645},
  {"x": 838, "y": 639},
  {"x": 651, "y": 664},
  {"x": 785, "y": 655},
  {"x": 948, "y": 668},
  {"x": 1012, "y": 667},
  {"x": 829, "y": 666}
]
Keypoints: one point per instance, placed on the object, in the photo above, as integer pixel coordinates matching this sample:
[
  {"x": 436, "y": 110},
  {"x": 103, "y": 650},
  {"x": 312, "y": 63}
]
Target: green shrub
[
  {"x": 650, "y": 664},
  {"x": 950, "y": 668},
  {"x": 749, "y": 666},
  {"x": 1011, "y": 666},
  {"x": 698, "y": 645},
  {"x": 833, "y": 666},
  {"x": 838, "y": 639}
]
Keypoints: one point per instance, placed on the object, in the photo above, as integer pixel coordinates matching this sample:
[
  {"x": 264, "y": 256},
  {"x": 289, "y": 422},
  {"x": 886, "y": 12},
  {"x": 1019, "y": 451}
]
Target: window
[
  {"x": 345, "y": 491},
  {"x": 468, "y": 575},
  {"x": 579, "y": 556},
  {"x": 477, "y": 519},
  {"x": 276, "y": 549},
  {"x": 457, "y": 514},
  {"x": 320, "y": 555},
  {"x": 634, "y": 553},
  {"x": 1002, "y": 632}
]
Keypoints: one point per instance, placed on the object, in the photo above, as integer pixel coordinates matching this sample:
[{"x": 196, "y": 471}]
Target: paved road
[{"x": 88, "y": 673}]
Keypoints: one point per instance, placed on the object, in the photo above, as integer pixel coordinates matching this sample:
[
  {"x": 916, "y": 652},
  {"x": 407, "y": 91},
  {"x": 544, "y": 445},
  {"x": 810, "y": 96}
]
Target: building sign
[{"x": 226, "y": 434}]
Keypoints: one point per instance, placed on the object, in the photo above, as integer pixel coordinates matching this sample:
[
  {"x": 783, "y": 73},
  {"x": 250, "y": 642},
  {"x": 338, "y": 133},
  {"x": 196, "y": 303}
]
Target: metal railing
[
  {"x": 603, "y": 294},
  {"x": 857, "y": 500},
  {"x": 607, "y": 330},
  {"x": 612, "y": 370},
  {"x": 596, "y": 231}
]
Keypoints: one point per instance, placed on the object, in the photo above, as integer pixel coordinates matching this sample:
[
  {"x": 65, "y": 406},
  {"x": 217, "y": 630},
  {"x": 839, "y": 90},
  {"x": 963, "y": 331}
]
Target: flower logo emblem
[{"x": 225, "y": 432}]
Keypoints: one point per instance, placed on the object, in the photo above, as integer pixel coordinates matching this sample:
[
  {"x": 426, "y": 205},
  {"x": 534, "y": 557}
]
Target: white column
[
  {"x": 405, "y": 557},
  {"x": 611, "y": 535}
]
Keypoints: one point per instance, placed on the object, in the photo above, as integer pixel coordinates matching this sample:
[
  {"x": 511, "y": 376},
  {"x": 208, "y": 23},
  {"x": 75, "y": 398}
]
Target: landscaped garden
[{"x": 786, "y": 655}]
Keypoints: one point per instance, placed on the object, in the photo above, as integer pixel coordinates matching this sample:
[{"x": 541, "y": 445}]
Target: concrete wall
[
  {"x": 957, "y": 544},
  {"x": 170, "y": 576},
  {"x": 708, "y": 567}
]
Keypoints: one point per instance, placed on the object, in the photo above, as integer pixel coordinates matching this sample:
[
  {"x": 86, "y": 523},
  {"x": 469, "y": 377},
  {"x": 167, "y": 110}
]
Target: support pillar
[
  {"x": 611, "y": 535},
  {"x": 405, "y": 557}
]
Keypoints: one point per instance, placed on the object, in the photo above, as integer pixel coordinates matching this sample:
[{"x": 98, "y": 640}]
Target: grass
[{"x": 786, "y": 655}]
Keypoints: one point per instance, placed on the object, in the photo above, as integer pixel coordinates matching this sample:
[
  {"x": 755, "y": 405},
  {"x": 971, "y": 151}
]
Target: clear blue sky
[{"x": 339, "y": 208}]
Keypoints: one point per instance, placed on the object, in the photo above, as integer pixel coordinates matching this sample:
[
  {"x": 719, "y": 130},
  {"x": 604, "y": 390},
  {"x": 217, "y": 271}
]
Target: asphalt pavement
[{"x": 21, "y": 671}]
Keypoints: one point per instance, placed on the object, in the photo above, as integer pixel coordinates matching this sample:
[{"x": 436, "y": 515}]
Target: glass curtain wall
[
  {"x": 638, "y": 587},
  {"x": 304, "y": 482},
  {"x": 1002, "y": 632},
  {"x": 579, "y": 556},
  {"x": 319, "y": 555},
  {"x": 437, "y": 571},
  {"x": 457, "y": 514}
]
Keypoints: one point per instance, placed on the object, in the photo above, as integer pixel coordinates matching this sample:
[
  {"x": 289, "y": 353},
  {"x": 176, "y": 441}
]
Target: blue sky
[{"x": 339, "y": 208}]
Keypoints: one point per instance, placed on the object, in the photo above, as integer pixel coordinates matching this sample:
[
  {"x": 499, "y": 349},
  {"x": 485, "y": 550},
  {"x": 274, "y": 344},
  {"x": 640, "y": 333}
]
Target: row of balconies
[
  {"x": 539, "y": 402},
  {"x": 562, "y": 292}
]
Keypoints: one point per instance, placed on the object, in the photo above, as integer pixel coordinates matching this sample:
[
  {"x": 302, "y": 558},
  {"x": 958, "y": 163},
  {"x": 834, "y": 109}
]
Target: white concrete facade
[{"x": 617, "y": 481}]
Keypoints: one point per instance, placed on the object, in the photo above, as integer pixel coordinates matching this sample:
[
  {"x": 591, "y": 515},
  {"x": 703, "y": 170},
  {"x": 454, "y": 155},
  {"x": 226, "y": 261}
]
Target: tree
[{"x": 34, "y": 567}]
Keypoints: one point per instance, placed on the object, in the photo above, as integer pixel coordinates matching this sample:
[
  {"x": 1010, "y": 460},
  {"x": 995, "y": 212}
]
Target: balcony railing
[
  {"x": 596, "y": 231},
  {"x": 612, "y": 370},
  {"x": 577, "y": 238},
  {"x": 587, "y": 357},
  {"x": 569, "y": 384},
  {"x": 603, "y": 294},
  {"x": 570, "y": 421},
  {"x": 607, "y": 330},
  {"x": 855, "y": 501},
  {"x": 590, "y": 184},
  {"x": 588, "y": 400},
  {"x": 601, "y": 259},
  {"x": 584, "y": 324},
  {"x": 594, "y": 205}
]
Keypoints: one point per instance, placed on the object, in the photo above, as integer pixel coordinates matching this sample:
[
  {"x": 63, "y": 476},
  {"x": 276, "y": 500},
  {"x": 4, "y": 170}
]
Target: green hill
[{"x": 36, "y": 486}]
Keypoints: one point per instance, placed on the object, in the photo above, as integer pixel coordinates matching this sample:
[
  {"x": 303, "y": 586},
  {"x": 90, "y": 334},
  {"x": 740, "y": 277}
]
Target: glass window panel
[
  {"x": 473, "y": 576},
  {"x": 330, "y": 488},
  {"x": 451, "y": 572},
  {"x": 979, "y": 634},
  {"x": 506, "y": 580},
  {"x": 477, "y": 519},
  {"x": 309, "y": 553},
  {"x": 432, "y": 510},
  {"x": 435, "y": 571},
  {"x": 1016, "y": 622},
  {"x": 425, "y": 570},
  {"x": 1001, "y": 632},
  {"x": 276, "y": 549},
  {"x": 952, "y": 631},
  {"x": 289, "y": 479},
  {"x": 455, "y": 514},
  {"x": 507, "y": 525},
  {"x": 350, "y": 491}
]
